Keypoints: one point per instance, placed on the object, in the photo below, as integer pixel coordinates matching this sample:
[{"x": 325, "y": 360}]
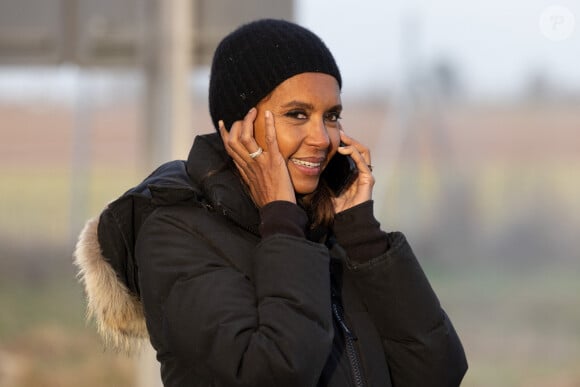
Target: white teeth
[{"x": 306, "y": 163}]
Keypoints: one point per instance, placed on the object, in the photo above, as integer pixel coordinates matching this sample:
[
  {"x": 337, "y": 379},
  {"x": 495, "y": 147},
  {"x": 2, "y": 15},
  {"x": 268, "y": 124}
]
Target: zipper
[{"x": 351, "y": 350}]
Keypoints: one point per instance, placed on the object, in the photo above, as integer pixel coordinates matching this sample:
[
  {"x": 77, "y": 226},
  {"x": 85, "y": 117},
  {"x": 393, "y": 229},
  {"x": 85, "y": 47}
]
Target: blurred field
[
  {"x": 44, "y": 340},
  {"x": 488, "y": 196},
  {"x": 517, "y": 329}
]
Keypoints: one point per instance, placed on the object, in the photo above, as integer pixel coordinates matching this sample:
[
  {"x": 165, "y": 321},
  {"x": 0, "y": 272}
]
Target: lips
[{"x": 307, "y": 164}]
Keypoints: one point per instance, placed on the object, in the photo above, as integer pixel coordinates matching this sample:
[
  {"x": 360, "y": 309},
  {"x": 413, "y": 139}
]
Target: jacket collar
[{"x": 209, "y": 167}]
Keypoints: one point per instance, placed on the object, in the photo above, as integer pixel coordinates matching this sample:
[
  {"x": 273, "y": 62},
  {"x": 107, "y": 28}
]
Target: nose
[{"x": 318, "y": 135}]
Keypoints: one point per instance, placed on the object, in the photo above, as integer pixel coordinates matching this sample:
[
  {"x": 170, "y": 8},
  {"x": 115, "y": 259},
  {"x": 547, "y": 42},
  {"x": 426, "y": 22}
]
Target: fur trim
[{"x": 118, "y": 313}]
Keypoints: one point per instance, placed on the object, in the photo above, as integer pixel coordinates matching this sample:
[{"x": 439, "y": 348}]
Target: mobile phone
[{"x": 340, "y": 173}]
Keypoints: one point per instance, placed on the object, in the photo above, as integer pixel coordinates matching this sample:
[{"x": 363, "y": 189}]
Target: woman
[{"x": 249, "y": 267}]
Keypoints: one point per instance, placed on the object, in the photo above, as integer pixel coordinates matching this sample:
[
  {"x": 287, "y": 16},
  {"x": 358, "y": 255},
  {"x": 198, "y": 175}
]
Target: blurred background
[{"x": 472, "y": 111}]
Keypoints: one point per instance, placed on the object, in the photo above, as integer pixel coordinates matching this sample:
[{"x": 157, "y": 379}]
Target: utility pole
[
  {"x": 167, "y": 59},
  {"x": 167, "y": 64}
]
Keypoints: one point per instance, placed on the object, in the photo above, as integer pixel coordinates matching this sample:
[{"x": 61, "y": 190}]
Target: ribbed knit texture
[
  {"x": 359, "y": 233},
  {"x": 254, "y": 59},
  {"x": 282, "y": 217}
]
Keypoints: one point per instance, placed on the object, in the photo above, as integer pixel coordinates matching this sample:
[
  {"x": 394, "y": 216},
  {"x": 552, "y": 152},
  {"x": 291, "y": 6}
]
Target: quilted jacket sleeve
[
  {"x": 420, "y": 343},
  {"x": 269, "y": 326}
]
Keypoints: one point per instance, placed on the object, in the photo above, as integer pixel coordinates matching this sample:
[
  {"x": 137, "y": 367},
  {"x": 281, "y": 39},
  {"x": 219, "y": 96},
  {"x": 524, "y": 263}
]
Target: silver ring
[{"x": 257, "y": 153}]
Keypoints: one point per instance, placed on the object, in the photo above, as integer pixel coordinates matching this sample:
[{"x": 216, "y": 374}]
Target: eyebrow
[
  {"x": 308, "y": 106},
  {"x": 294, "y": 103}
]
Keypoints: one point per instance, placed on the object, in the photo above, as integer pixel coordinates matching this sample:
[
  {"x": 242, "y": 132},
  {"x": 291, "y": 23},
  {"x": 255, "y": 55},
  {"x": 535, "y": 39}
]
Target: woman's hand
[
  {"x": 362, "y": 189},
  {"x": 266, "y": 174}
]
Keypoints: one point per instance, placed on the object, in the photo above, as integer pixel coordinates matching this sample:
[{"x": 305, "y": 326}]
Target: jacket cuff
[
  {"x": 282, "y": 217},
  {"x": 359, "y": 233}
]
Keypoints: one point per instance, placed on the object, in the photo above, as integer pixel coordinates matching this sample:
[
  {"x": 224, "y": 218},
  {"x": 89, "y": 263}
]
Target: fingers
[
  {"x": 362, "y": 190},
  {"x": 227, "y": 140},
  {"x": 239, "y": 141},
  {"x": 246, "y": 134},
  {"x": 271, "y": 140},
  {"x": 265, "y": 172},
  {"x": 356, "y": 149}
]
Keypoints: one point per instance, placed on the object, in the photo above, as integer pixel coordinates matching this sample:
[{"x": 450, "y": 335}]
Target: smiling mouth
[{"x": 306, "y": 164}]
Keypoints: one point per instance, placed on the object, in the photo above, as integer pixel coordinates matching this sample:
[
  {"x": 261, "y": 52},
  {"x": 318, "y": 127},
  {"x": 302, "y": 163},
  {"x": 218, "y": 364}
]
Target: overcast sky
[{"x": 496, "y": 44}]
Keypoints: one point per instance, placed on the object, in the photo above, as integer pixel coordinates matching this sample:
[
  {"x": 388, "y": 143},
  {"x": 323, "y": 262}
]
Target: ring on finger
[
  {"x": 257, "y": 153},
  {"x": 370, "y": 167}
]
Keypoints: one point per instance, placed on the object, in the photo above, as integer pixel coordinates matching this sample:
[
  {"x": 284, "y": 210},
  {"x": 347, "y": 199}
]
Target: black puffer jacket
[{"x": 227, "y": 307}]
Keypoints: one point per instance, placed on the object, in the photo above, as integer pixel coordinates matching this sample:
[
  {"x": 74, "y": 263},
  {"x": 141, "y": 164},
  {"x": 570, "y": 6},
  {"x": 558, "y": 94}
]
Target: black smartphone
[{"x": 340, "y": 173}]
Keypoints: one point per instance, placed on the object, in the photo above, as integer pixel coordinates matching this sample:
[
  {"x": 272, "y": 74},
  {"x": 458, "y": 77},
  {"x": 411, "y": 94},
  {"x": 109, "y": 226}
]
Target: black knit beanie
[{"x": 254, "y": 59}]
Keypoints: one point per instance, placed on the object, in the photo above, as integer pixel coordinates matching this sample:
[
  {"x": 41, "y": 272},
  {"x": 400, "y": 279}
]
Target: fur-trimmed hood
[
  {"x": 104, "y": 255},
  {"x": 117, "y": 312},
  {"x": 105, "y": 252}
]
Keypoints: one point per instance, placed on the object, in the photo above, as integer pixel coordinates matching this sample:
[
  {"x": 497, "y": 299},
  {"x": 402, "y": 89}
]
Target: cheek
[
  {"x": 287, "y": 143},
  {"x": 334, "y": 141}
]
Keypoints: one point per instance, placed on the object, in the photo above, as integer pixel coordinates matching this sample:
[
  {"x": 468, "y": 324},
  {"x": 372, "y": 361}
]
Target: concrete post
[{"x": 167, "y": 59}]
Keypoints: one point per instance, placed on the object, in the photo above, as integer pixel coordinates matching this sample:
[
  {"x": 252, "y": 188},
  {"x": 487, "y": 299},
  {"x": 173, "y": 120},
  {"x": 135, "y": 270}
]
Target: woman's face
[{"x": 306, "y": 109}]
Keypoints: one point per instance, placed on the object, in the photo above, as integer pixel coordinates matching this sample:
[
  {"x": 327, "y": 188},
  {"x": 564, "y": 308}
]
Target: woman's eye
[
  {"x": 298, "y": 114},
  {"x": 333, "y": 116}
]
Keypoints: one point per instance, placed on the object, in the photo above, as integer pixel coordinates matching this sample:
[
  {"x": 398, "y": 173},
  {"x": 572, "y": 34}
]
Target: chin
[{"x": 303, "y": 188}]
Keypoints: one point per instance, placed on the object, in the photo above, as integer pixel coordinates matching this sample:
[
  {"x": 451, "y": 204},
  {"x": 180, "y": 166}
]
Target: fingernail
[
  {"x": 268, "y": 114},
  {"x": 220, "y": 124},
  {"x": 251, "y": 110}
]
